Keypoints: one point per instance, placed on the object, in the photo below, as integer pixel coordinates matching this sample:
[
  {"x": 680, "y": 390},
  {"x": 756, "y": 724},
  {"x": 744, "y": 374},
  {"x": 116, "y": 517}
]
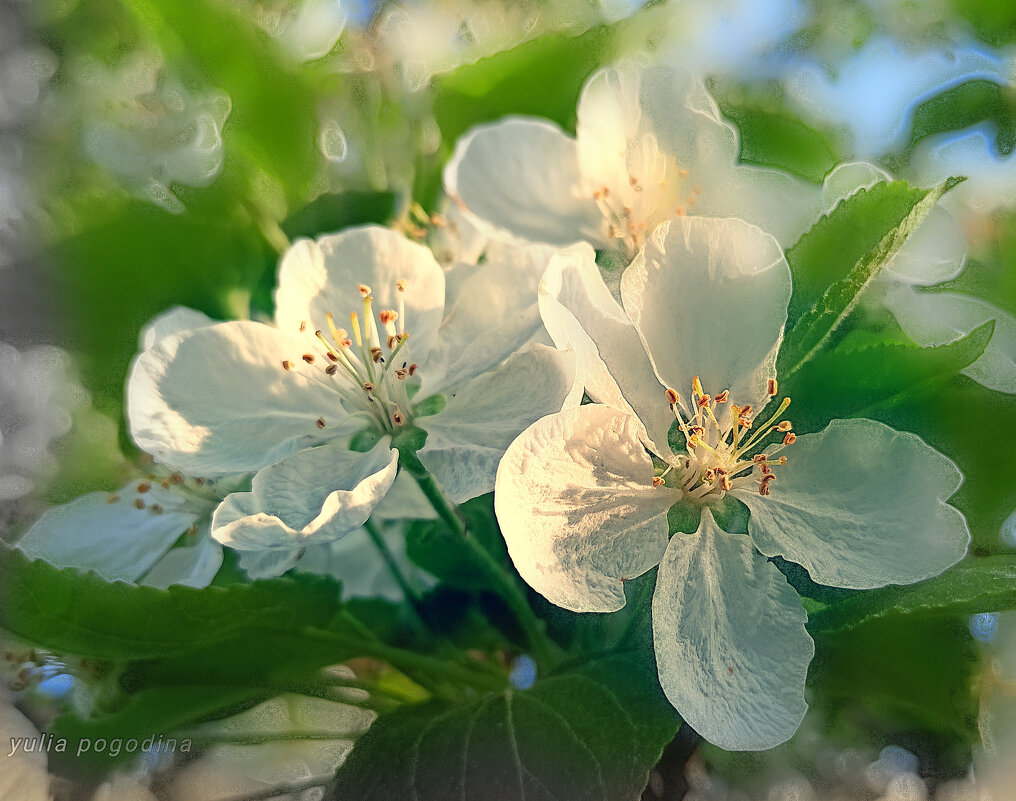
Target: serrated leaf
[
  {"x": 591, "y": 733},
  {"x": 973, "y": 586},
  {"x": 856, "y": 382},
  {"x": 835, "y": 261},
  {"x": 73, "y": 612}
]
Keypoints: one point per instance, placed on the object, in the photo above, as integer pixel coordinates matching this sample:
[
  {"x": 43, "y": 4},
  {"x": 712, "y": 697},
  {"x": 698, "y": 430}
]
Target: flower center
[
  {"x": 369, "y": 370},
  {"x": 655, "y": 191},
  {"x": 722, "y": 456}
]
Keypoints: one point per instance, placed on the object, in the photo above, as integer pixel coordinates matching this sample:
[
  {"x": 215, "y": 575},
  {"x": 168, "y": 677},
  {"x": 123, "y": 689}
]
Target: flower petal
[
  {"x": 709, "y": 298},
  {"x": 192, "y": 565},
  {"x": 494, "y": 314},
  {"x": 731, "y": 647},
  {"x": 217, "y": 400},
  {"x": 108, "y": 533},
  {"x": 354, "y": 560},
  {"x": 316, "y": 278},
  {"x": 935, "y": 318},
  {"x": 860, "y": 505},
  {"x": 468, "y": 437},
  {"x": 174, "y": 320},
  {"x": 316, "y": 495},
  {"x": 577, "y": 508},
  {"x": 581, "y": 315},
  {"x": 519, "y": 180}
]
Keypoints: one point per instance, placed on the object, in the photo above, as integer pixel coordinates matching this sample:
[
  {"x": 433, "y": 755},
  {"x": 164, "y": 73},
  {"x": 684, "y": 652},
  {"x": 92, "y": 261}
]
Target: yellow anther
[
  {"x": 784, "y": 425},
  {"x": 401, "y": 285},
  {"x": 789, "y": 439}
]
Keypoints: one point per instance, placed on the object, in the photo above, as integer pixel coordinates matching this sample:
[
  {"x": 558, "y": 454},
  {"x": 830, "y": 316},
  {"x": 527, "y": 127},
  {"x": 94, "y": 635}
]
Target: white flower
[
  {"x": 129, "y": 534},
  {"x": 307, "y": 30},
  {"x": 228, "y": 771},
  {"x": 582, "y": 507},
  {"x": 284, "y": 400},
  {"x": 650, "y": 146}
]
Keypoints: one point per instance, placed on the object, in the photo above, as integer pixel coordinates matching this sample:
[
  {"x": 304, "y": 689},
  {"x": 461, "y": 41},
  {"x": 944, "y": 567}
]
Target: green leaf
[
  {"x": 854, "y": 381},
  {"x": 273, "y": 118},
  {"x": 973, "y": 586},
  {"x": 967, "y": 104},
  {"x": 904, "y": 680},
  {"x": 80, "y": 613},
  {"x": 994, "y": 22},
  {"x": 835, "y": 261},
  {"x": 774, "y": 139},
  {"x": 154, "y": 714},
  {"x": 337, "y": 210},
  {"x": 516, "y": 82},
  {"x": 591, "y": 733}
]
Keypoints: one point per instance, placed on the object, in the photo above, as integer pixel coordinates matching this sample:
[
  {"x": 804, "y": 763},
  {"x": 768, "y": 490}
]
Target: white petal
[
  {"x": 608, "y": 117},
  {"x": 316, "y": 278},
  {"x": 354, "y": 560},
  {"x": 194, "y": 565},
  {"x": 581, "y": 315},
  {"x": 731, "y": 647},
  {"x": 217, "y": 400},
  {"x": 316, "y": 495},
  {"x": 934, "y": 318},
  {"x": 519, "y": 180},
  {"x": 271, "y": 563},
  {"x": 115, "y": 539},
  {"x": 577, "y": 508},
  {"x": 175, "y": 320},
  {"x": 466, "y": 439},
  {"x": 709, "y": 298},
  {"x": 860, "y": 505},
  {"x": 494, "y": 314}
]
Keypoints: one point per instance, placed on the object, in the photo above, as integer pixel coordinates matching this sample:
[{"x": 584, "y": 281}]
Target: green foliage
[
  {"x": 272, "y": 120},
  {"x": 962, "y": 106},
  {"x": 975, "y": 585},
  {"x": 334, "y": 211},
  {"x": 430, "y": 544},
  {"x": 855, "y": 380},
  {"x": 504, "y": 84},
  {"x": 990, "y": 273},
  {"x": 73, "y": 612},
  {"x": 835, "y": 261},
  {"x": 994, "y": 22},
  {"x": 776, "y": 139},
  {"x": 590, "y": 733},
  {"x": 901, "y": 680}
]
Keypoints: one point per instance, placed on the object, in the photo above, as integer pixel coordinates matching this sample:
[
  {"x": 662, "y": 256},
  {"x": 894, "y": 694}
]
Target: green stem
[
  {"x": 260, "y": 738},
  {"x": 400, "y": 658},
  {"x": 444, "y": 645},
  {"x": 532, "y": 627}
]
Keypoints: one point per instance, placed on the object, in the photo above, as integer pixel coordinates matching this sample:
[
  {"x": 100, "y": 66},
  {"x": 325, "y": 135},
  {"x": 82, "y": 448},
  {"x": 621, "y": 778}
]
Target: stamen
[
  {"x": 320, "y": 422},
  {"x": 364, "y": 290},
  {"x": 287, "y": 364},
  {"x": 401, "y": 286},
  {"x": 672, "y": 397},
  {"x": 772, "y": 387},
  {"x": 722, "y": 397},
  {"x": 309, "y": 358},
  {"x": 789, "y": 439},
  {"x": 783, "y": 425}
]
